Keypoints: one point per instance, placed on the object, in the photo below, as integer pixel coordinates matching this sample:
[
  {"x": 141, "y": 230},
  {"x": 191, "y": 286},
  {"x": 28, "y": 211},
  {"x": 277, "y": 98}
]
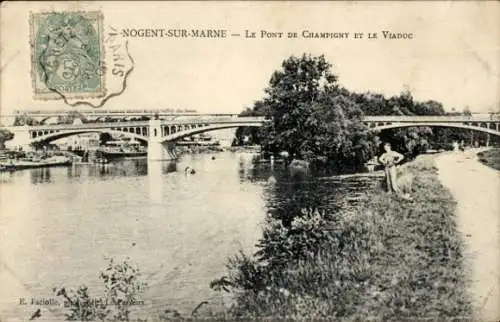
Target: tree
[
  {"x": 256, "y": 135},
  {"x": 312, "y": 116},
  {"x": 429, "y": 108},
  {"x": 5, "y": 135},
  {"x": 71, "y": 117},
  {"x": 372, "y": 103},
  {"x": 336, "y": 131},
  {"x": 23, "y": 119},
  {"x": 413, "y": 140},
  {"x": 104, "y": 137},
  {"x": 290, "y": 95}
]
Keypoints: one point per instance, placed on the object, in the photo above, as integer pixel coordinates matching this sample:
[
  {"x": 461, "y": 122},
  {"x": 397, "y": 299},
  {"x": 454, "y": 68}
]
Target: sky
[{"x": 454, "y": 56}]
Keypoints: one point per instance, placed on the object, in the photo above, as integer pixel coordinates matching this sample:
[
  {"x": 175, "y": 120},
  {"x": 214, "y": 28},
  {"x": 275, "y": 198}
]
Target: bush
[{"x": 122, "y": 289}]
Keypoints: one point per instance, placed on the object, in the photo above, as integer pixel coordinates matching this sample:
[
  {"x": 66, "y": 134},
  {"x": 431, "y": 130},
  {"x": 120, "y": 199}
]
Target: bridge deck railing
[
  {"x": 446, "y": 119},
  {"x": 100, "y": 125}
]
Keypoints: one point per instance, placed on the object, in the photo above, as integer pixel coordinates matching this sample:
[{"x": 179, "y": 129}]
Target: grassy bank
[
  {"x": 490, "y": 158},
  {"x": 388, "y": 259}
]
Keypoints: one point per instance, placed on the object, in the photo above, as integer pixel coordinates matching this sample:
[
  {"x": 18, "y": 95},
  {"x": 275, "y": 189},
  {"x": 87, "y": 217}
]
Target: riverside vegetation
[
  {"x": 490, "y": 158},
  {"x": 314, "y": 116},
  {"x": 123, "y": 286},
  {"x": 386, "y": 259}
]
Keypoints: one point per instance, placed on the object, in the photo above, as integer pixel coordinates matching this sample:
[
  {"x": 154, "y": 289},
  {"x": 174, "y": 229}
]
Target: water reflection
[
  {"x": 74, "y": 172},
  {"x": 248, "y": 171},
  {"x": 287, "y": 194},
  {"x": 5, "y": 176},
  {"x": 284, "y": 198},
  {"x": 156, "y": 170},
  {"x": 41, "y": 175}
]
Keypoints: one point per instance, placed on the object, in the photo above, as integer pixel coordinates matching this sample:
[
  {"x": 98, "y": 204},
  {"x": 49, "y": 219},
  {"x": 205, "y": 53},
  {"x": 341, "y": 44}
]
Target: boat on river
[
  {"x": 35, "y": 162},
  {"x": 202, "y": 139},
  {"x": 122, "y": 149}
]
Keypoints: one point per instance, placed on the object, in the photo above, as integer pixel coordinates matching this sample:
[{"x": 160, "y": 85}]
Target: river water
[{"x": 59, "y": 226}]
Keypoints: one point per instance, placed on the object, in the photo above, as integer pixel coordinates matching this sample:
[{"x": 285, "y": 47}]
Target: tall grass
[
  {"x": 388, "y": 259},
  {"x": 490, "y": 158}
]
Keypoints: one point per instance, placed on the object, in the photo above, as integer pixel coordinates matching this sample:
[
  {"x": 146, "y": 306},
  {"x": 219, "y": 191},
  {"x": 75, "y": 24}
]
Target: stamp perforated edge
[{"x": 54, "y": 94}]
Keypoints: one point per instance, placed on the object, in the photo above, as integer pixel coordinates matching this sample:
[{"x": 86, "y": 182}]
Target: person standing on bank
[{"x": 390, "y": 159}]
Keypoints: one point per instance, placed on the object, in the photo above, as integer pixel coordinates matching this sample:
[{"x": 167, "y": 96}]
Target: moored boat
[
  {"x": 12, "y": 165},
  {"x": 122, "y": 149}
]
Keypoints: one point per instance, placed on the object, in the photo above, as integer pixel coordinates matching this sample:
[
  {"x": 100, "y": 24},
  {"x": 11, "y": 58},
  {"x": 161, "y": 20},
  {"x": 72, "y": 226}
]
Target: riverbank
[
  {"x": 490, "y": 158},
  {"x": 476, "y": 188},
  {"x": 388, "y": 259}
]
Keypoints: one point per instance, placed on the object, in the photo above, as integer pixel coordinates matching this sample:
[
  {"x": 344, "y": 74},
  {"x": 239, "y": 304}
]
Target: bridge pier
[{"x": 158, "y": 149}]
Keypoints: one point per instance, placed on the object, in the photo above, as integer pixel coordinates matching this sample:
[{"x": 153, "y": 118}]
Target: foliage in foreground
[
  {"x": 122, "y": 289},
  {"x": 386, "y": 260}
]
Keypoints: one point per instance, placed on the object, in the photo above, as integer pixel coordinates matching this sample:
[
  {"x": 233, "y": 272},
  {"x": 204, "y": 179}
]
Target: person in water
[
  {"x": 189, "y": 170},
  {"x": 390, "y": 159}
]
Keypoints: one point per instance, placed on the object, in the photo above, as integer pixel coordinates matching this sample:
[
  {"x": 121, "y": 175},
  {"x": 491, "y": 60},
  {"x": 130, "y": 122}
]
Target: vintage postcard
[{"x": 250, "y": 160}]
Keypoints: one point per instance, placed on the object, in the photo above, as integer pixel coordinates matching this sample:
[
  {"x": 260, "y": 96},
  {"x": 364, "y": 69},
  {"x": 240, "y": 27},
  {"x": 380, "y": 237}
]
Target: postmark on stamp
[
  {"x": 76, "y": 59},
  {"x": 67, "y": 52}
]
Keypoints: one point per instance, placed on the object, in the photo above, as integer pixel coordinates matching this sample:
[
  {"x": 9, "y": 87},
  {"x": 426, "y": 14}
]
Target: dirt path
[{"x": 476, "y": 187}]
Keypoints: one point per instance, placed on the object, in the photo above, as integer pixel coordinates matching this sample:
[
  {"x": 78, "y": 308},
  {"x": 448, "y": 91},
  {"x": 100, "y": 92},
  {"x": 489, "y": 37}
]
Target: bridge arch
[
  {"x": 63, "y": 134},
  {"x": 437, "y": 124},
  {"x": 189, "y": 132}
]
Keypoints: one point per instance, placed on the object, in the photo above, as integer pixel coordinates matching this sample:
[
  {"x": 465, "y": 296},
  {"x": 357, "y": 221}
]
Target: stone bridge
[
  {"x": 488, "y": 124},
  {"x": 161, "y": 133}
]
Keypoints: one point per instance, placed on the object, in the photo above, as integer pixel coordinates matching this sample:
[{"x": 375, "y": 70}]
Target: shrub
[{"x": 122, "y": 289}]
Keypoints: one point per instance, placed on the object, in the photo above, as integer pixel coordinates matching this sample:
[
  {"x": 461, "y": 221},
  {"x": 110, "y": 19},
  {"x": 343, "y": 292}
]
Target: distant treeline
[{"x": 316, "y": 117}]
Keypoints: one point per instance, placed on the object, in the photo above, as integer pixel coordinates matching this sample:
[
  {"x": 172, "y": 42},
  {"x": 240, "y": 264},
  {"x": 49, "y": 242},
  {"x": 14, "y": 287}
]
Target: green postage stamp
[{"x": 67, "y": 55}]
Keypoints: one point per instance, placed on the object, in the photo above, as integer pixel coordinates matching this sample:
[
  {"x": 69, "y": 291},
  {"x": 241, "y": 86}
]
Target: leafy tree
[
  {"x": 312, "y": 116},
  {"x": 291, "y": 94},
  {"x": 256, "y": 134},
  {"x": 23, "y": 119},
  {"x": 5, "y": 135},
  {"x": 430, "y": 108},
  {"x": 104, "y": 137},
  {"x": 414, "y": 140},
  {"x": 402, "y": 104},
  {"x": 71, "y": 117},
  {"x": 372, "y": 103},
  {"x": 335, "y": 131}
]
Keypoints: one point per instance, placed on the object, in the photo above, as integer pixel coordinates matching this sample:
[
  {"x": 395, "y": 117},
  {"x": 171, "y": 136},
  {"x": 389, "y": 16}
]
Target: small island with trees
[{"x": 314, "y": 118}]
